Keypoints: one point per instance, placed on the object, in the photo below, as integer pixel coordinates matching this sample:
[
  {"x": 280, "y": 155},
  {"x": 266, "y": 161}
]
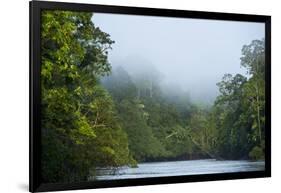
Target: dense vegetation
[
  {"x": 91, "y": 120},
  {"x": 80, "y": 129},
  {"x": 165, "y": 126}
]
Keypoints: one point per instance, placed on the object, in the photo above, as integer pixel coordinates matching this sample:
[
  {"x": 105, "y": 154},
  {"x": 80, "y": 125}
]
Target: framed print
[{"x": 125, "y": 96}]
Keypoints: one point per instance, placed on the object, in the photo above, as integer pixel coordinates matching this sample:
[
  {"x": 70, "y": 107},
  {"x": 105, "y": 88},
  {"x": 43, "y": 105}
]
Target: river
[{"x": 178, "y": 168}]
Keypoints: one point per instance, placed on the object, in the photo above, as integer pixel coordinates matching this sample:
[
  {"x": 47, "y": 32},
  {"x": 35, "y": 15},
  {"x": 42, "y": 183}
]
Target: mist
[{"x": 190, "y": 55}]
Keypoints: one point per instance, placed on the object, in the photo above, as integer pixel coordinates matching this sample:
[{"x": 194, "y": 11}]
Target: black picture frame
[{"x": 36, "y": 7}]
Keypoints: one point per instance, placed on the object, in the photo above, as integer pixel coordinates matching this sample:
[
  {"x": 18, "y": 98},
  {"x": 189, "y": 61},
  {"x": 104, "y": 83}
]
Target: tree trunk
[{"x": 258, "y": 114}]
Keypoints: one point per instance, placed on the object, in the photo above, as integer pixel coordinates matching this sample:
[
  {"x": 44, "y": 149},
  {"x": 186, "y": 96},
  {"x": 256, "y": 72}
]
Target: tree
[
  {"x": 120, "y": 84},
  {"x": 240, "y": 107},
  {"x": 253, "y": 58},
  {"x": 78, "y": 133}
]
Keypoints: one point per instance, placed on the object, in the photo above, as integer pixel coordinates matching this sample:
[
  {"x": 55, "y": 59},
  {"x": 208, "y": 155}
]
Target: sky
[{"x": 193, "y": 54}]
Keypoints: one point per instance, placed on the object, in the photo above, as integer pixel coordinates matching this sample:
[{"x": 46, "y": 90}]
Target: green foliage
[
  {"x": 240, "y": 107},
  {"x": 163, "y": 126},
  {"x": 149, "y": 119},
  {"x": 92, "y": 121},
  {"x": 256, "y": 153},
  {"x": 80, "y": 130},
  {"x": 142, "y": 142}
]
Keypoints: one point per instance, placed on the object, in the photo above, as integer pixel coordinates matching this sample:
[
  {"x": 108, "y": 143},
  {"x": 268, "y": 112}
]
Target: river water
[{"x": 178, "y": 168}]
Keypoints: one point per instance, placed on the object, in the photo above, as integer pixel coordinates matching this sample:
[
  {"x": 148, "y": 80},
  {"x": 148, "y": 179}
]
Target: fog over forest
[
  {"x": 152, "y": 100},
  {"x": 190, "y": 55}
]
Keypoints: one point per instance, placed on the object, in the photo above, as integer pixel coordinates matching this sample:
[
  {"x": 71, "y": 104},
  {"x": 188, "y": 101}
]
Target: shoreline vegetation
[{"x": 97, "y": 116}]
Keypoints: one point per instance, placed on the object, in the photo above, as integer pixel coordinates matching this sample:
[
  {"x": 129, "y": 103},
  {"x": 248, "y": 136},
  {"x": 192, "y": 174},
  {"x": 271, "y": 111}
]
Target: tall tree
[
  {"x": 253, "y": 58},
  {"x": 78, "y": 132},
  {"x": 240, "y": 107}
]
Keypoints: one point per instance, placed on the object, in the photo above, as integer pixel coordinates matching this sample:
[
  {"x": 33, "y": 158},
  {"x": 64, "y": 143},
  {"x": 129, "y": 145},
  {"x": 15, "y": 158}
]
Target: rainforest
[{"x": 97, "y": 115}]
